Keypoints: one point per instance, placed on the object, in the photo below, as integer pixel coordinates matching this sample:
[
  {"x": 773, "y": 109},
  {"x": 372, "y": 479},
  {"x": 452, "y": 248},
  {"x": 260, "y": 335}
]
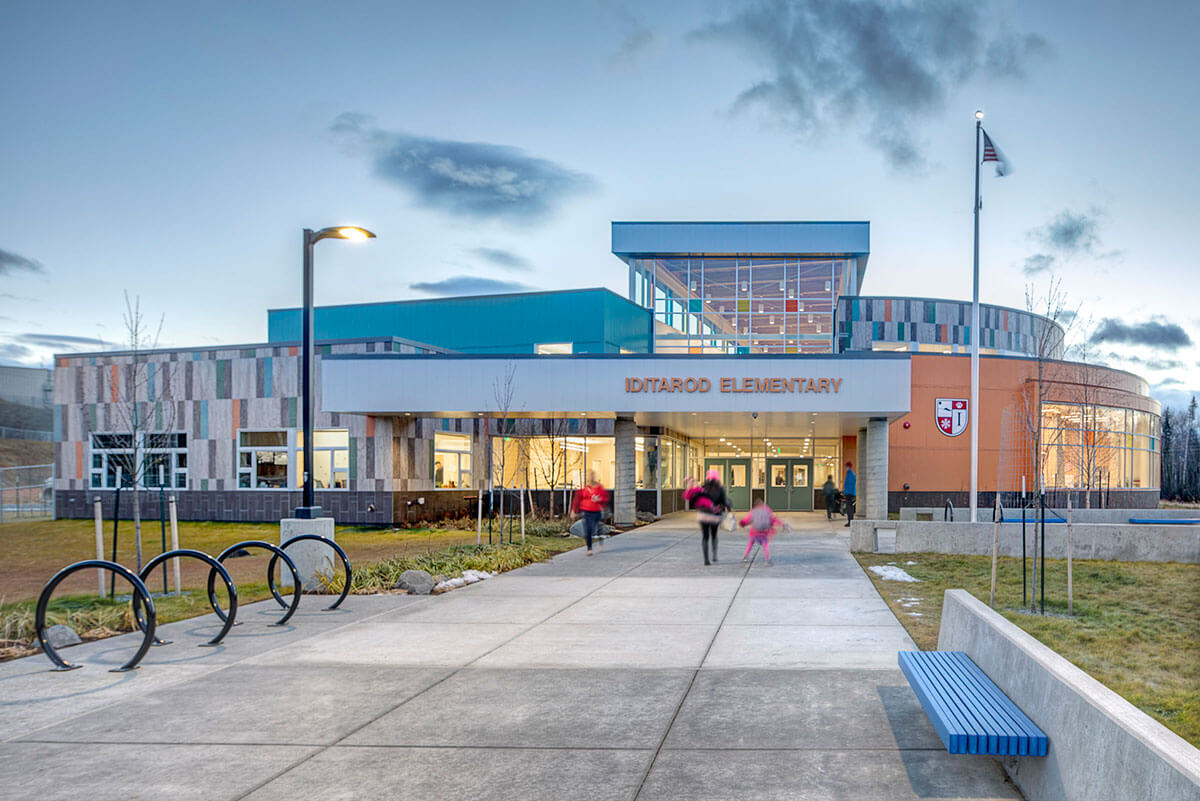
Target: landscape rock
[
  {"x": 418, "y": 582},
  {"x": 62, "y": 636}
]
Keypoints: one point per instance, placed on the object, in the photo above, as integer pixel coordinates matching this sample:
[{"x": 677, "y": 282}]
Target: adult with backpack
[{"x": 711, "y": 503}]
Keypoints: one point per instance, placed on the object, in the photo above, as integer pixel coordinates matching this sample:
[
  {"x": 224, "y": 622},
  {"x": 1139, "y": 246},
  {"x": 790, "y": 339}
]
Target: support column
[
  {"x": 860, "y": 470},
  {"x": 876, "y": 469},
  {"x": 625, "y": 491}
]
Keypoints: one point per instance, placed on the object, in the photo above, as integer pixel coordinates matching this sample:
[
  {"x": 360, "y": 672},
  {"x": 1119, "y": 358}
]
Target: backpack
[{"x": 760, "y": 518}]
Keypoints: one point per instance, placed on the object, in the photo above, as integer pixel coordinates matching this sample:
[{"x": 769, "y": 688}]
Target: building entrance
[
  {"x": 789, "y": 485},
  {"x": 735, "y": 475}
]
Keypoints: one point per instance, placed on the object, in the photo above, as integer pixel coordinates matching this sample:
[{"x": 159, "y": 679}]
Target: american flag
[{"x": 993, "y": 153}]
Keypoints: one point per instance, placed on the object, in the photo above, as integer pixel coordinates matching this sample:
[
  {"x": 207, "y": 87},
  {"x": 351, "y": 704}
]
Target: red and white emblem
[{"x": 951, "y": 415}]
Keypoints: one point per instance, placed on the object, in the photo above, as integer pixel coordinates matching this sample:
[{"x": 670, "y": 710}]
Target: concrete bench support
[{"x": 1101, "y": 746}]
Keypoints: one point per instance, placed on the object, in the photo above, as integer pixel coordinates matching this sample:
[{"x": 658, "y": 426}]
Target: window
[
  {"x": 331, "y": 458},
  {"x": 164, "y": 460},
  {"x": 262, "y": 460},
  {"x": 553, "y": 347},
  {"x": 452, "y": 460}
]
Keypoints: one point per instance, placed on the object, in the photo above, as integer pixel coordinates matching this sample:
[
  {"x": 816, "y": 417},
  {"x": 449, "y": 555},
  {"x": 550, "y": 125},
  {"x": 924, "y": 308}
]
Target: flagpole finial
[{"x": 979, "y": 115}]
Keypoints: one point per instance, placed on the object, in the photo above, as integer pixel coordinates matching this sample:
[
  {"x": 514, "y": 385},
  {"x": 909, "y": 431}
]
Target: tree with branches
[{"x": 144, "y": 412}]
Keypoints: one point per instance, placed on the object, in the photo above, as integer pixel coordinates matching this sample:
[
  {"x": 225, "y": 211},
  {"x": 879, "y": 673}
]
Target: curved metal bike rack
[
  {"x": 215, "y": 565},
  {"x": 139, "y": 592},
  {"x": 341, "y": 555},
  {"x": 948, "y": 511},
  {"x": 278, "y": 552}
]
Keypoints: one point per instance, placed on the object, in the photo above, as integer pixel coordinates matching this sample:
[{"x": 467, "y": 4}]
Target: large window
[
  {"x": 735, "y": 304},
  {"x": 451, "y": 460},
  {"x": 263, "y": 460},
  {"x": 1099, "y": 446},
  {"x": 164, "y": 460},
  {"x": 331, "y": 458}
]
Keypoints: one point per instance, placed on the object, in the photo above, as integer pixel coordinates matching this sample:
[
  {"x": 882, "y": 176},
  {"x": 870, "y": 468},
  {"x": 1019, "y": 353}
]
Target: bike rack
[
  {"x": 212, "y": 577},
  {"x": 948, "y": 511},
  {"x": 341, "y": 555},
  {"x": 215, "y": 565},
  {"x": 139, "y": 590}
]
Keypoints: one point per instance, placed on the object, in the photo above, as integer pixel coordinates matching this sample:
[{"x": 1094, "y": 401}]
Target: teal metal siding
[{"x": 594, "y": 320}]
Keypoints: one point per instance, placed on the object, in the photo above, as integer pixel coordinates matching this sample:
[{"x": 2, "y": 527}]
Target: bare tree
[
  {"x": 552, "y": 468},
  {"x": 144, "y": 413},
  {"x": 1051, "y": 320},
  {"x": 1092, "y": 385},
  {"x": 503, "y": 389}
]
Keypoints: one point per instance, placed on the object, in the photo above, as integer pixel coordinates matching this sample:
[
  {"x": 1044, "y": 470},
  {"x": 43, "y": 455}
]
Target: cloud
[
  {"x": 1069, "y": 235},
  {"x": 1038, "y": 263},
  {"x": 636, "y": 36},
  {"x": 1150, "y": 364},
  {"x": 1072, "y": 233},
  {"x": 60, "y": 341},
  {"x": 1153, "y": 333},
  {"x": 879, "y": 66},
  {"x": 12, "y": 353},
  {"x": 503, "y": 258},
  {"x": 12, "y": 262},
  {"x": 469, "y": 285},
  {"x": 473, "y": 179}
]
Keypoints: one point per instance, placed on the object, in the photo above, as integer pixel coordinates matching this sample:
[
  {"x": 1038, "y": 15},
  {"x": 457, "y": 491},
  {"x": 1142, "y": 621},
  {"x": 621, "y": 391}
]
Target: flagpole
[{"x": 976, "y": 335}]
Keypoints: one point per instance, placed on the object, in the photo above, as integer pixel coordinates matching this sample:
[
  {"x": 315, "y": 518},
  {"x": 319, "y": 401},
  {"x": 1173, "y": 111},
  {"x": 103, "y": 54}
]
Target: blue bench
[
  {"x": 970, "y": 713},
  {"x": 1165, "y": 521}
]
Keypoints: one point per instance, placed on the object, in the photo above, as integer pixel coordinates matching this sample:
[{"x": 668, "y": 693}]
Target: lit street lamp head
[
  {"x": 979, "y": 115},
  {"x": 351, "y": 232}
]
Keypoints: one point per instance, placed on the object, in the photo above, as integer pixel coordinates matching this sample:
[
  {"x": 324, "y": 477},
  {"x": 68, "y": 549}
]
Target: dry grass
[
  {"x": 1136, "y": 626},
  {"x": 34, "y": 551}
]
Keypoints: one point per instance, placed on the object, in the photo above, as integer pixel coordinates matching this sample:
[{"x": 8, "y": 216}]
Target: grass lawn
[
  {"x": 35, "y": 551},
  {"x": 1136, "y": 626}
]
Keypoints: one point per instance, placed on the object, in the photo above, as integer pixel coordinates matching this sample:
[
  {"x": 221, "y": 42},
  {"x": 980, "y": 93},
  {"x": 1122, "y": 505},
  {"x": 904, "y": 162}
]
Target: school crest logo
[{"x": 951, "y": 415}]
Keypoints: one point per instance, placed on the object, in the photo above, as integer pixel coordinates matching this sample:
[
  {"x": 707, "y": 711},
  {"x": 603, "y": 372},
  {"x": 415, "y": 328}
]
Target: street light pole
[{"x": 308, "y": 510}]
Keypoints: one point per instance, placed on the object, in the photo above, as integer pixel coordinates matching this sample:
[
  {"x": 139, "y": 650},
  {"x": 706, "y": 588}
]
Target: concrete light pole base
[{"x": 311, "y": 557}]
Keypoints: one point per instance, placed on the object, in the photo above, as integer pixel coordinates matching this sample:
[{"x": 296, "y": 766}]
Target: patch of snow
[
  {"x": 915, "y": 614},
  {"x": 891, "y": 573},
  {"x": 472, "y": 576},
  {"x": 910, "y": 563},
  {"x": 468, "y": 577}
]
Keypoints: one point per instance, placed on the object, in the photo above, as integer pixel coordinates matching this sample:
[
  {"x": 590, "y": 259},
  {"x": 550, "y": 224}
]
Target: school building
[{"x": 746, "y": 346}]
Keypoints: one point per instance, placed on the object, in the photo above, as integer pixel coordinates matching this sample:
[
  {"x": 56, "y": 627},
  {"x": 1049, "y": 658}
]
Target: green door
[
  {"x": 735, "y": 475},
  {"x": 789, "y": 485}
]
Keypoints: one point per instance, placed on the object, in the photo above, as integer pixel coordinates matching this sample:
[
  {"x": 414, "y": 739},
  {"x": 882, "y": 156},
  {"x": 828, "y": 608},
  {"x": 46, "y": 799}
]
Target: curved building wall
[
  {"x": 1118, "y": 446},
  {"x": 937, "y": 325}
]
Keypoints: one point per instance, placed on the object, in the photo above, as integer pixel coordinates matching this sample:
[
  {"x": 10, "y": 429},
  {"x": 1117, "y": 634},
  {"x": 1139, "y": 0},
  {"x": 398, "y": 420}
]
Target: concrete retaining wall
[
  {"x": 1101, "y": 746},
  {"x": 1077, "y": 516},
  {"x": 1124, "y": 543}
]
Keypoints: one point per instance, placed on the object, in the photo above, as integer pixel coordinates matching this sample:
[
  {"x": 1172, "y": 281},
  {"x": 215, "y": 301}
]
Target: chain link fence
[{"x": 26, "y": 492}]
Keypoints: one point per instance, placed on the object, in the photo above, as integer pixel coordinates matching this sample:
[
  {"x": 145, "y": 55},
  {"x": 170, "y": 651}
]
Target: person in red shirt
[{"x": 590, "y": 502}]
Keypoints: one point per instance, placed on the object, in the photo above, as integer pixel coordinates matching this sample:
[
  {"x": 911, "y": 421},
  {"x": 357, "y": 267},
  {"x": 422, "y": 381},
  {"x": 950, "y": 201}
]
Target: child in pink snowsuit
[{"x": 762, "y": 522}]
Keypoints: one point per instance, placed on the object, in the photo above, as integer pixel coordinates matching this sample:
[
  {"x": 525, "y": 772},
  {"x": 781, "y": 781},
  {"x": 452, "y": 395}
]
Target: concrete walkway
[{"x": 637, "y": 673}]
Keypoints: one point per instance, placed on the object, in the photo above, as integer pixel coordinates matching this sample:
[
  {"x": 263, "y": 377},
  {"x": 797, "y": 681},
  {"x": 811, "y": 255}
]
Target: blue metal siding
[
  {"x": 594, "y": 320},
  {"x": 634, "y": 238}
]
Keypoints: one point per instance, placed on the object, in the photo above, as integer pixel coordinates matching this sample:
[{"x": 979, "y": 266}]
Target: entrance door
[
  {"x": 789, "y": 485},
  {"x": 735, "y": 475}
]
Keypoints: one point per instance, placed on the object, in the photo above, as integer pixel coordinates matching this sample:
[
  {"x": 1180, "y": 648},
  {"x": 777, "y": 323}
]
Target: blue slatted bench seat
[{"x": 970, "y": 713}]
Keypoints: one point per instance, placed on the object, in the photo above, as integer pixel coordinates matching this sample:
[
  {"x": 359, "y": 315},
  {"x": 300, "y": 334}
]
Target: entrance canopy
[{"x": 695, "y": 395}]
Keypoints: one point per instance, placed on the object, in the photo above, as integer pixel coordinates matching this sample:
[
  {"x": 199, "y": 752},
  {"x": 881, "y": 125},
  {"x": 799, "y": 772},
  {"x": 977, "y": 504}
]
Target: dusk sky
[{"x": 177, "y": 151}]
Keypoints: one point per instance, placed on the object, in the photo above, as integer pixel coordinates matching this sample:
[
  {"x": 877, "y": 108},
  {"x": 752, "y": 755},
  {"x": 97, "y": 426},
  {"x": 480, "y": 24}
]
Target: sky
[{"x": 175, "y": 152}]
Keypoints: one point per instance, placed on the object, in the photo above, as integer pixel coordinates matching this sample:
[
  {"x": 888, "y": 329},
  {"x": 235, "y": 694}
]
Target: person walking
[
  {"x": 830, "y": 491},
  {"x": 850, "y": 492},
  {"x": 710, "y": 502},
  {"x": 762, "y": 522},
  {"x": 589, "y": 502}
]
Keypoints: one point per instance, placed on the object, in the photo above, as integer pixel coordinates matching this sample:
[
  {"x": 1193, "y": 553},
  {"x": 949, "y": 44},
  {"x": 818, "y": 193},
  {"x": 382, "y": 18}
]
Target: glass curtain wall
[
  {"x": 1116, "y": 447},
  {"x": 741, "y": 304},
  {"x": 542, "y": 462}
]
